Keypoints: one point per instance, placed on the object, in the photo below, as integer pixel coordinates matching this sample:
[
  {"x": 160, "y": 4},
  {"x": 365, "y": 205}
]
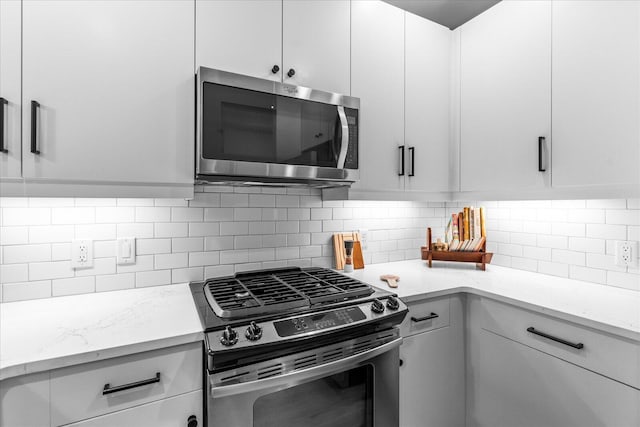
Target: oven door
[{"x": 360, "y": 390}]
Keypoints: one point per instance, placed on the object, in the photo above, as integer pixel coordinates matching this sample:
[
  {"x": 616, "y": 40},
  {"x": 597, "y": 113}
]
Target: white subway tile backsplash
[
  {"x": 168, "y": 229},
  {"x": 202, "y": 259},
  {"x": 224, "y": 230},
  {"x": 26, "y": 253},
  {"x": 606, "y": 231},
  {"x": 177, "y": 260},
  {"x": 152, "y": 246},
  {"x": 137, "y": 230},
  {"x": 73, "y": 286},
  {"x": 26, "y": 216},
  {"x": 187, "y": 244},
  {"x": 50, "y": 270},
  {"x": 153, "y": 278},
  {"x": 14, "y": 235},
  {"x": 115, "y": 282},
  {"x": 115, "y": 214},
  {"x": 153, "y": 214},
  {"x": 14, "y": 273},
  {"x": 623, "y": 280},
  {"x": 26, "y": 290}
]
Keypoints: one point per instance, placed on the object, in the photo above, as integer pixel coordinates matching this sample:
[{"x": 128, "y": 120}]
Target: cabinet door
[
  {"x": 241, "y": 36},
  {"x": 516, "y": 386},
  {"x": 431, "y": 380},
  {"x": 171, "y": 412},
  {"x": 377, "y": 78},
  {"x": 10, "y": 28},
  {"x": 596, "y": 93},
  {"x": 427, "y": 103},
  {"x": 505, "y": 96},
  {"x": 24, "y": 401},
  {"x": 315, "y": 39},
  {"x": 114, "y": 81}
]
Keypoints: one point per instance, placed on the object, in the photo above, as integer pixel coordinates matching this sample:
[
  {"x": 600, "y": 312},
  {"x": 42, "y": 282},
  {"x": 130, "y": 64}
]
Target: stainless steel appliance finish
[
  {"x": 299, "y": 346},
  {"x": 339, "y": 139}
]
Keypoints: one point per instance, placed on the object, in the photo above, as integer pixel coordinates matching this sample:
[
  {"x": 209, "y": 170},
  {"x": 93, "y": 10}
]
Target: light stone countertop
[
  {"x": 606, "y": 308},
  {"x": 40, "y": 335},
  {"x": 46, "y": 334}
]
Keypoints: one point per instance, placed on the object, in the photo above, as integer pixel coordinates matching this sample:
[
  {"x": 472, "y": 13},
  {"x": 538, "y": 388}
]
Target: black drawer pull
[
  {"x": 552, "y": 338},
  {"x": 422, "y": 319},
  {"x": 108, "y": 389}
]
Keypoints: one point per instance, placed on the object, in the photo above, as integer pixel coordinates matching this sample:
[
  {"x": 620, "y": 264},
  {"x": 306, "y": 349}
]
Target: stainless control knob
[
  {"x": 392, "y": 303},
  {"x": 229, "y": 336},
  {"x": 253, "y": 332},
  {"x": 377, "y": 306}
]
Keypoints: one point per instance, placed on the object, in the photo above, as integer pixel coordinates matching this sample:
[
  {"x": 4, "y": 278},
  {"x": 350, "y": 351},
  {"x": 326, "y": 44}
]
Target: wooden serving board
[{"x": 341, "y": 254}]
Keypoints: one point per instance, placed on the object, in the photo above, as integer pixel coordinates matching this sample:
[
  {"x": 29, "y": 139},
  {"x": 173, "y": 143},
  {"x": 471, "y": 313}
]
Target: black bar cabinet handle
[
  {"x": 541, "y": 141},
  {"x": 108, "y": 389},
  {"x": 34, "y": 127},
  {"x": 412, "y": 155},
  {"x": 422, "y": 319},
  {"x": 3, "y": 102},
  {"x": 401, "y": 148},
  {"x": 579, "y": 346}
]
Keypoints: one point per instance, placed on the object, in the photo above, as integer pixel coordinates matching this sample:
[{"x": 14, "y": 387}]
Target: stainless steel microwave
[{"x": 260, "y": 131}]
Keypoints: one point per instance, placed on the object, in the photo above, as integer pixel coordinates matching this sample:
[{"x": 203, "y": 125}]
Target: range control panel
[{"x": 316, "y": 322}]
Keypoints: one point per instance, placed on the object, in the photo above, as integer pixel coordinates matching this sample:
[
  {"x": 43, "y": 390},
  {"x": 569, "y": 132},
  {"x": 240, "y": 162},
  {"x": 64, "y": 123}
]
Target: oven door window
[
  {"x": 340, "y": 400},
  {"x": 245, "y": 125}
]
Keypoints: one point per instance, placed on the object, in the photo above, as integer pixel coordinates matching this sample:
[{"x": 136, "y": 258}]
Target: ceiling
[{"x": 450, "y": 13}]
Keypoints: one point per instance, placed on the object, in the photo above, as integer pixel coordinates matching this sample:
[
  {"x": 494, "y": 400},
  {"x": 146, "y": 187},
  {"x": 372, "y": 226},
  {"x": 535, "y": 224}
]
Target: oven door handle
[
  {"x": 298, "y": 377},
  {"x": 344, "y": 144}
]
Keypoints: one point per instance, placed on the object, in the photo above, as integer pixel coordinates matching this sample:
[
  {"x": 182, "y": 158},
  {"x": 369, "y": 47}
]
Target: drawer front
[
  {"x": 171, "y": 412},
  {"x": 609, "y": 355},
  {"x": 78, "y": 392},
  {"x": 425, "y": 315}
]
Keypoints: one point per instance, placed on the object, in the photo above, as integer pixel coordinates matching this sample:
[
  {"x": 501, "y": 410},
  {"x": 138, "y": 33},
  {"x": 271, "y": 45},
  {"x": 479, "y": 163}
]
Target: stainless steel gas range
[{"x": 299, "y": 347}]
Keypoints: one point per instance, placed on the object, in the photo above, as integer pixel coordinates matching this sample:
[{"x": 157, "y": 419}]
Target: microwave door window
[
  {"x": 306, "y": 133},
  {"x": 238, "y": 124}
]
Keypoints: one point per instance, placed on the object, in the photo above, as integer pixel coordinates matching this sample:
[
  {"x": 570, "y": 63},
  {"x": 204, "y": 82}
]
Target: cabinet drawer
[
  {"x": 78, "y": 392},
  {"x": 606, "y": 354},
  {"x": 425, "y": 315},
  {"x": 171, "y": 412}
]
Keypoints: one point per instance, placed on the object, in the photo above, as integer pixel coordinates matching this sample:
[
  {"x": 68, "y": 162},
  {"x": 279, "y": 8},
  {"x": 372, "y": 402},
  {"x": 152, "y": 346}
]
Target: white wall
[{"x": 226, "y": 229}]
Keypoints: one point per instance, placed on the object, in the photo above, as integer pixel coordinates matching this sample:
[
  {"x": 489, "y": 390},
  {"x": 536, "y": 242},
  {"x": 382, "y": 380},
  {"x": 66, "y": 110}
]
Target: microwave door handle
[
  {"x": 344, "y": 144},
  {"x": 298, "y": 377}
]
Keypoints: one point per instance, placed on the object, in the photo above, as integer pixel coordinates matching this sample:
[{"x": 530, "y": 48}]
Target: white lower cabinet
[
  {"x": 155, "y": 388},
  {"x": 432, "y": 367},
  {"x": 172, "y": 412},
  {"x": 516, "y": 385}
]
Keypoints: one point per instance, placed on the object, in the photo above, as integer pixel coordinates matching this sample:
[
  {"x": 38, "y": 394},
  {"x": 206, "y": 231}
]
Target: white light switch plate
[
  {"x": 126, "y": 248},
  {"x": 81, "y": 253}
]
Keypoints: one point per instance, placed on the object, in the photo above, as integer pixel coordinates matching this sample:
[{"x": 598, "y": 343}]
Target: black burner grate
[{"x": 273, "y": 291}]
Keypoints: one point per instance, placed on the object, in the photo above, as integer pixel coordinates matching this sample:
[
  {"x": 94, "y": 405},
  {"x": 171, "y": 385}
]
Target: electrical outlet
[
  {"x": 364, "y": 238},
  {"x": 81, "y": 253},
  {"x": 626, "y": 253}
]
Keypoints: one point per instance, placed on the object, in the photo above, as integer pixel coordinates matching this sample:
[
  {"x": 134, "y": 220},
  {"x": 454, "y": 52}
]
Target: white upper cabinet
[
  {"x": 10, "y": 142},
  {"x": 302, "y": 42},
  {"x": 596, "y": 93},
  {"x": 505, "y": 78},
  {"x": 377, "y": 78},
  {"x": 241, "y": 36},
  {"x": 108, "y": 90},
  {"x": 427, "y": 104},
  {"x": 316, "y": 45}
]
